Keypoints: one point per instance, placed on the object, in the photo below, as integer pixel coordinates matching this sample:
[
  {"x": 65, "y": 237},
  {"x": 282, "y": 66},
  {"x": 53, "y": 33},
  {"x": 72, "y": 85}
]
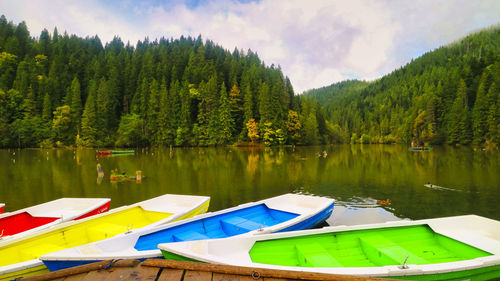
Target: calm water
[{"x": 356, "y": 176}]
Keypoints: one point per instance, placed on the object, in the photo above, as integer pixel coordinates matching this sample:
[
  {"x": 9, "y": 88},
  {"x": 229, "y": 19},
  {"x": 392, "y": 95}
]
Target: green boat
[
  {"x": 453, "y": 248},
  {"x": 114, "y": 152},
  {"x": 420, "y": 148}
]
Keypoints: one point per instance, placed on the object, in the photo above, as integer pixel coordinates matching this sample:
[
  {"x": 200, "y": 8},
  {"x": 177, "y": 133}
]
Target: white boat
[
  {"x": 19, "y": 257},
  {"x": 433, "y": 186},
  {"x": 282, "y": 213},
  {"x": 451, "y": 248},
  {"x": 35, "y": 218}
]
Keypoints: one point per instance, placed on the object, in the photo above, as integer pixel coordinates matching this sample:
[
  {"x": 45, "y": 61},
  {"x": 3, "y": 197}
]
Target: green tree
[
  {"x": 493, "y": 120},
  {"x": 89, "y": 135},
  {"x": 236, "y": 105},
  {"x": 253, "y": 130},
  {"x": 47, "y": 108},
  {"x": 480, "y": 113},
  {"x": 460, "y": 125},
  {"x": 226, "y": 122},
  {"x": 131, "y": 131},
  {"x": 76, "y": 105},
  {"x": 61, "y": 126},
  {"x": 293, "y": 126}
]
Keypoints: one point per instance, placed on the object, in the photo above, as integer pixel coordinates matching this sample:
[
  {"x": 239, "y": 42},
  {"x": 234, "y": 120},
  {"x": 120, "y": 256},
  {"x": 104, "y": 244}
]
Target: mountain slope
[{"x": 449, "y": 95}]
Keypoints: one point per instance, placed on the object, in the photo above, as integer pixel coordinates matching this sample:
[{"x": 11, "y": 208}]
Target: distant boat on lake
[
  {"x": 420, "y": 148},
  {"x": 115, "y": 152},
  {"x": 433, "y": 186}
]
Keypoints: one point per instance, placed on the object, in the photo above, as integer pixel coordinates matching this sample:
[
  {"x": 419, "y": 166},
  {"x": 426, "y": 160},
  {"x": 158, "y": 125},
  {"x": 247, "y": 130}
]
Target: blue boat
[{"x": 282, "y": 213}]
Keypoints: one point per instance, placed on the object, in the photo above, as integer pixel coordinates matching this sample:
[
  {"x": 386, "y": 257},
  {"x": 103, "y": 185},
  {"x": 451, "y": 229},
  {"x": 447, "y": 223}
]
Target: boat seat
[
  {"x": 34, "y": 252},
  {"x": 383, "y": 251},
  {"x": 189, "y": 236},
  {"x": 315, "y": 255},
  {"x": 238, "y": 225},
  {"x": 104, "y": 230}
]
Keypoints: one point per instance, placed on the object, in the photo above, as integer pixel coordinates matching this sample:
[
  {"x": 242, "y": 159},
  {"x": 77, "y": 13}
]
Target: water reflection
[{"x": 360, "y": 177}]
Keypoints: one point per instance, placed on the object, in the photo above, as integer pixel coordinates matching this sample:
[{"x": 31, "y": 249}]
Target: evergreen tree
[
  {"x": 183, "y": 130},
  {"x": 89, "y": 135},
  {"x": 265, "y": 104},
  {"x": 480, "y": 113},
  {"x": 61, "y": 126},
  {"x": 493, "y": 120},
  {"x": 76, "y": 105},
  {"x": 153, "y": 112},
  {"x": 460, "y": 130},
  {"x": 47, "y": 108},
  {"x": 293, "y": 126},
  {"x": 226, "y": 122},
  {"x": 236, "y": 105}
]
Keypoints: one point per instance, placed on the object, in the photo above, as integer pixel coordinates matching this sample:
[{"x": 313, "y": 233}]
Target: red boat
[
  {"x": 1, "y": 207},
  {"x": 29, "y": 220},
  {"x": 115, "y": 152}
]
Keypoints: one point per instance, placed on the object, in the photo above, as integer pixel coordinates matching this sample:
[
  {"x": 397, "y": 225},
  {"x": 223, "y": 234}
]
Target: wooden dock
[{"x": 169, "y": 270}]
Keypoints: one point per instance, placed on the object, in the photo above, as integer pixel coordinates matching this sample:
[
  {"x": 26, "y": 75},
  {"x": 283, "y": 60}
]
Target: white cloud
[{"x": 316, "y": 42}]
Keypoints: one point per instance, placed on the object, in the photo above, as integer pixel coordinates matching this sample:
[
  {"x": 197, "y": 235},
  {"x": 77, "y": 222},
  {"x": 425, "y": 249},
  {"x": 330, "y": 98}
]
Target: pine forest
[
  {"x": 447, "y": 96},
  {"x": 63, "y": 90}
]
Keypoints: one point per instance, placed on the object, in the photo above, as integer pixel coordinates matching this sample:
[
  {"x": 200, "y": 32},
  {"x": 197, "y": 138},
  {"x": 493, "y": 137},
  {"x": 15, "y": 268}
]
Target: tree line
[
  {"x": 63, "y": 90},
  {"x": 447, "y": 96}
]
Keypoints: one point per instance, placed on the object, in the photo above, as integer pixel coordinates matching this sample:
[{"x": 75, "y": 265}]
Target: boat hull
[
  {"x": 248, "y": 219},
  {"x": 478, "y": 274},
  {"x": 454, "y": 248},
  {"x": 93, "y": 228},
  {"x": 30, "y": 271},
  {"x": 32, "y": 219}
]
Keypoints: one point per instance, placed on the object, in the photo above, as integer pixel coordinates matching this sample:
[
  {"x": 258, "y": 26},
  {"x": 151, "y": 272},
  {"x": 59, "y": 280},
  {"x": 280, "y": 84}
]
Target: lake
[{"x": 362, "y": 178}]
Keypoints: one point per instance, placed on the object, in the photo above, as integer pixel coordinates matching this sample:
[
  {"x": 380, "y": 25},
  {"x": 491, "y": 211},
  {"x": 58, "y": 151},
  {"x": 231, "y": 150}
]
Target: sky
[{"x": 316, "y": 42}]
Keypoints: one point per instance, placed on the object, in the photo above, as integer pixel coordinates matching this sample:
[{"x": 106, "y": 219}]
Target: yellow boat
[{"x": 19, "y": 256}]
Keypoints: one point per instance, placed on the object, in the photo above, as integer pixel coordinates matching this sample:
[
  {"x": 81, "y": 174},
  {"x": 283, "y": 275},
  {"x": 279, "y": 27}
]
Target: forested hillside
[
  {"x": 449, "y": 95},
  {"x": 60, "y": 89}
]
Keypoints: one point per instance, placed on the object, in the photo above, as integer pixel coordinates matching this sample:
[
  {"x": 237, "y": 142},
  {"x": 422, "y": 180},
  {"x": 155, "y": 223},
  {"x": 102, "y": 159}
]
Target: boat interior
[
  {"x": 364, "y": 248},
  {"x": 21, "y": 222},
  {"x": 77, "y": 234},
  {"x": 219, "y": 226}
]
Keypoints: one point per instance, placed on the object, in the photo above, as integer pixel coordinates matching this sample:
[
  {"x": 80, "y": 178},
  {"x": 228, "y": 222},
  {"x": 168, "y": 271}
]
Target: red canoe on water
[
  {"x": 29, "y": 220},
  {"x": 114, "y": 152}
]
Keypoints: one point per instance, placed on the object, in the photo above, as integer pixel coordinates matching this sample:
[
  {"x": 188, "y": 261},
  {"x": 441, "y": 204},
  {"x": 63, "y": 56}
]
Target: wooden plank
[
  {"x": 68, "y": 271},
  {"x": 248, "y": 271},
  {"x": 168, "y": 274},
  {"x": 76, "y": 277},
  {"x": 97, "y": 275},
  {"x": 232, "y": 277},
  {"x": 143, "y": 273},
  {"x": 117, "y": 273},
  {"x": 193, "y": 275}
]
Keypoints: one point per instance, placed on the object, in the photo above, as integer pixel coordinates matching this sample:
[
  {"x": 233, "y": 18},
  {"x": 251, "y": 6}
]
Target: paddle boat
[
  {"x": 20, "y": 256},
  {"x": 420, "y": 148},
  {"x": 451, "y": 248},
  {"x": 115, "y": 152},
  {"x": 29, "y": 220},
  {"x": 282, "y": 213}
]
